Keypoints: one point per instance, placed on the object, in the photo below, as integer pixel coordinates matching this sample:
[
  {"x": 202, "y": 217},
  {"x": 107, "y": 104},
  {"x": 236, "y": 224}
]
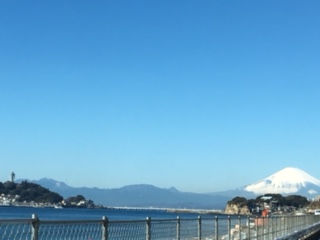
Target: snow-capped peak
[{"x": 288, "y": 180}]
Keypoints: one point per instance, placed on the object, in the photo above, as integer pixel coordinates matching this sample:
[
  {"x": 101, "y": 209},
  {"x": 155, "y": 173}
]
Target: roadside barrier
[{"x": 206, "y": 228}]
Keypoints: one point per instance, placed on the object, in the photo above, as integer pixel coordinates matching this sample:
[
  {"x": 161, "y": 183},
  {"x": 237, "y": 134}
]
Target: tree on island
[
  {"x": 28, "y": 192},
  {"x": 78, "y": 201},
  {"x": 273, "y": 200}
]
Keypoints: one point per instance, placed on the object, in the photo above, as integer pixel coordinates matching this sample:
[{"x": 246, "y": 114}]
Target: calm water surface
[{"x": 85, "y": 214}]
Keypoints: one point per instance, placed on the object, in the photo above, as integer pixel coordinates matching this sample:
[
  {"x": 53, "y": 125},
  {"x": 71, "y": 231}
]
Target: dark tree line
[
  {"x": 296, "y": 201},
  {"x": 73, "y": 202},
  {"x": 29, "y": 192},
  {"x": 291, "y": 200}
]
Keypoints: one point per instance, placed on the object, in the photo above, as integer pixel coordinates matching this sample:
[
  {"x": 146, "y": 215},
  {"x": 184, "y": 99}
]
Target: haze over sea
[{"x": 87, "y": 214}]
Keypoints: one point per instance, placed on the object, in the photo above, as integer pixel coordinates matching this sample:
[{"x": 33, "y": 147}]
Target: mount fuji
[{"x": 287, "y": 181}]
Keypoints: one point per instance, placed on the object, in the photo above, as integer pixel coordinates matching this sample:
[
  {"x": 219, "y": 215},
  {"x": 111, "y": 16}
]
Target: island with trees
[
  {"x": 271, "y": 204},
  {"x": 34, "y": 195}
]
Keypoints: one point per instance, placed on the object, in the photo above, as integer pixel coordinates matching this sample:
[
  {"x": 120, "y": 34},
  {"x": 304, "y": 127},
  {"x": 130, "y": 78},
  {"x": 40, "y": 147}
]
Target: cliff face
[
  {"x": 313, "y": 206},
  {"x": 238, "y": 209}
]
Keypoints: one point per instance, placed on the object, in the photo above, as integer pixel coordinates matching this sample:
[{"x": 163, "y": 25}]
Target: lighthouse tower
[{"x": 13, "y": 176}]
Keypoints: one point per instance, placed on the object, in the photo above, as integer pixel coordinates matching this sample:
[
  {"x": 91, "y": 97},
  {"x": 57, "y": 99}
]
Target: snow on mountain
[{"x": 287, "y": 181}]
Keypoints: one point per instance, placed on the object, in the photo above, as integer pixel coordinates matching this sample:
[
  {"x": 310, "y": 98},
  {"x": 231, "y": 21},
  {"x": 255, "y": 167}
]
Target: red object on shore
[{"x": 264, "y": 213}]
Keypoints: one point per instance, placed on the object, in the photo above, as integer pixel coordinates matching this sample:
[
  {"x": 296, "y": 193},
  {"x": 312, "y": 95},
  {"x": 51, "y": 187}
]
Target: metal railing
[{"x": 206, "y": 228}]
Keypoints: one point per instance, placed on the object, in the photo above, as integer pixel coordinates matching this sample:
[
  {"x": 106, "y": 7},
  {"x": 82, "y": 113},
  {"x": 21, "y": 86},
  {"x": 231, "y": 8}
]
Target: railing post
[
  {"x": 229, "y": 227},
  {"x": 239, "y": 222},
  {"x": 216, "y": 227},
  {"x": 301, "y": 220},
  {"x": 285, "y": 225},
  {"x": 263, "y": 226},
  {"x": 268, "y": 226},
  {"x": 276, "y": 226},
  {"x": 272, "y": 228},
  {"x": 178, "y": 228},
  {"x": 35, "y": 227},
  {"x": 105, "y": 222},
  {"x": 199, "y": 227},
  {"x": 148, "y": 229},
  {"x": 281, "y": 226},
  {"x": 248, "y": 227},
  {"x": 256, "y": 227}
]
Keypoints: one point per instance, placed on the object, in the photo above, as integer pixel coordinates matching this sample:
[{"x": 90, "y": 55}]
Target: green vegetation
[
  {"x": 78, "y": 201},
  {"x": 27, "y": 192},
  {"x": 31, "y": 194},
  {"x": 296, "y": 201},
  {"x": 240, "y": 201},
  {"x": 291, "y": 200},
  {"x": 271, "y": 201}
]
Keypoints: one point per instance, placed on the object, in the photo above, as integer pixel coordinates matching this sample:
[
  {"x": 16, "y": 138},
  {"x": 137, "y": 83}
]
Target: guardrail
[{"x": 208, "y": 228}]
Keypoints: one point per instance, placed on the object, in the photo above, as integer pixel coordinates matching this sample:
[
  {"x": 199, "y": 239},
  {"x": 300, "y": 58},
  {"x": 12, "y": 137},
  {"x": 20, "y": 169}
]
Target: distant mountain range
[
  {"x": 141, "y": 195},
  {"x": 288, "y": 181}
]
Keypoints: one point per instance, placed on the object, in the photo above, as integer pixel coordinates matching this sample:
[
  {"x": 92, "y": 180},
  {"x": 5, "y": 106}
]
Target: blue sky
[{"x": 200, "y": 95}]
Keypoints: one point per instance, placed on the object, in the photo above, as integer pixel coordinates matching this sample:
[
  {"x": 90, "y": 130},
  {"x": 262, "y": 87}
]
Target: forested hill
[{"x": 27, "y": 192}]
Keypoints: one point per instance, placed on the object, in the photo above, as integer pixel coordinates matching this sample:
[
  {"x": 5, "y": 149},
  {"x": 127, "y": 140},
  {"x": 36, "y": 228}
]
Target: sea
[{"x": 8, "y": 212}]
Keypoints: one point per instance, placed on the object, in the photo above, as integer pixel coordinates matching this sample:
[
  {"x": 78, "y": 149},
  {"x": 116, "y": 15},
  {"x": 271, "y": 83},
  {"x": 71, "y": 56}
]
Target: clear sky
[{"x": 200, "y": 95}]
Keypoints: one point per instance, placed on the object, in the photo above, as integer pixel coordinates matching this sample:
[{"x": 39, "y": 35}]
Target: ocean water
[
  {"x": 51, "y": 230},
  {"x": 88, "y": 214}
]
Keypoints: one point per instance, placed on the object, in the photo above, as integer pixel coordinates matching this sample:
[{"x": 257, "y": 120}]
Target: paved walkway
[{"x": 315, "y": 236}]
